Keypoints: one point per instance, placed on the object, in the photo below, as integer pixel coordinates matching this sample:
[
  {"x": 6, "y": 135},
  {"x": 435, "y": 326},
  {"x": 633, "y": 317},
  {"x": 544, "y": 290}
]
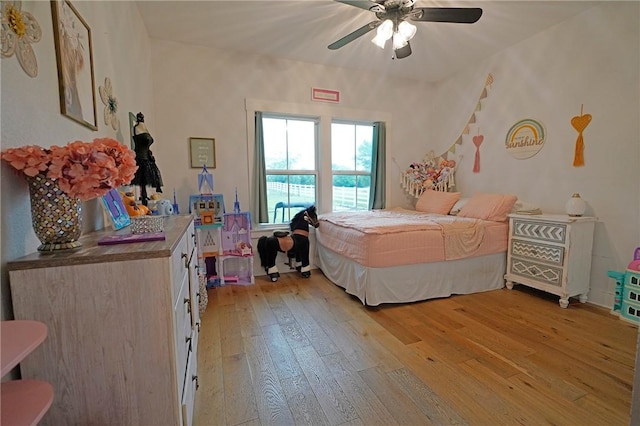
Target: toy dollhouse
[
  {"x": 224, "y": 240},
  {"x": 208, "y": 207},
  {"x": 627, "y": 295}
]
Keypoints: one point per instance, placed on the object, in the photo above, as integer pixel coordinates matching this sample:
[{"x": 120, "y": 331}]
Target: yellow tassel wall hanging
[{"x": 580, "y": 122}]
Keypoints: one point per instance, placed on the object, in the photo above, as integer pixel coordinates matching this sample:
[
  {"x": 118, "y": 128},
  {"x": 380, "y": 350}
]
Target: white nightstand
[{"x": 551, "y": 253}]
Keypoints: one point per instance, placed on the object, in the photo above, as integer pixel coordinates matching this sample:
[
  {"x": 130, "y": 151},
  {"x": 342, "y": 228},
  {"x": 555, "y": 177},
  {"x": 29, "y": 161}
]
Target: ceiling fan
[{"x": 392, "y": 21}]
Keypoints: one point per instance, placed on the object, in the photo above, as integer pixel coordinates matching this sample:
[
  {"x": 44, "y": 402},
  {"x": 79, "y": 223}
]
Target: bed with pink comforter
[{"x": 393, "y": 256}]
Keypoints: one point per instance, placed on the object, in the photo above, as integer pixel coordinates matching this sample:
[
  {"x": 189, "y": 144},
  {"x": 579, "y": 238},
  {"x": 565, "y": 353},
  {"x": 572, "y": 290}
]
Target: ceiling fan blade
[
  {"x": 457, "y": 15},
  {"x": 364, "y": 4},
  {"x": 403, "y": 52},
  {"x": 354, "y": 35}
]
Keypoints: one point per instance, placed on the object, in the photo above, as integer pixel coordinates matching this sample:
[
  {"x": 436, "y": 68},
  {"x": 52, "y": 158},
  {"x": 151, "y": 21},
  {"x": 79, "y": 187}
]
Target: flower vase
[{"x": 56, "y": 217}]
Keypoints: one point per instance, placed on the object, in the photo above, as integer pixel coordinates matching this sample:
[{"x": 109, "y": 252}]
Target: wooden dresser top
[{"x": 91, "y": 252}]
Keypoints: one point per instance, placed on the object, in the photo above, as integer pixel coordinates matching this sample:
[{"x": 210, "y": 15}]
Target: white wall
[
  {"x": 31, "y": 110},
  {"x": 591, "y": 61},
  {"x": 202, "y": 92}
]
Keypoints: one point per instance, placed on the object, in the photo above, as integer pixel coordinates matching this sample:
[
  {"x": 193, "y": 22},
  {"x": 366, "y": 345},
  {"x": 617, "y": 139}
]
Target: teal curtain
[
  {"x": 378, "y": 167},
  {"x": 259, "y": 205}
]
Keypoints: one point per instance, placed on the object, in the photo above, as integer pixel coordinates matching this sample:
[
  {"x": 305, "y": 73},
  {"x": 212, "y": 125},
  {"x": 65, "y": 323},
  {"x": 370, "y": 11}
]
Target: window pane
[
  {"x": 364, "y": 138},
  {"x": 289, "y": 144},
  {"x": 363, "y": 189},
  {"x": 301, "y": 142},
  {"x": 343, "y": 152},
  {"x": 350, "y": 192},
  {"x": 288, "y": 194},
  {"x": 275, "y": 143},
  {"x": 351, "y": 151}
]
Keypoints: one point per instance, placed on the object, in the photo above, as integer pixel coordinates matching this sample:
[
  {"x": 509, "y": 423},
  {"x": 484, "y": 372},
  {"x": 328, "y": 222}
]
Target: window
[
  {"x": 351, "y": 153},
  {"x": 290, "y": 165},
  {"x": 303, "y": 154}
]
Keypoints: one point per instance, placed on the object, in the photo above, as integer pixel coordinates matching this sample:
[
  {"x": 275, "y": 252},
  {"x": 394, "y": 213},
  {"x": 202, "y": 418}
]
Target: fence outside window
[{"x": 344, "y": 198}]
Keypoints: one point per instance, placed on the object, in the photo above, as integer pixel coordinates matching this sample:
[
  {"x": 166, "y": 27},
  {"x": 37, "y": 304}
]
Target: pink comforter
[{"x": 383, "y": 238}]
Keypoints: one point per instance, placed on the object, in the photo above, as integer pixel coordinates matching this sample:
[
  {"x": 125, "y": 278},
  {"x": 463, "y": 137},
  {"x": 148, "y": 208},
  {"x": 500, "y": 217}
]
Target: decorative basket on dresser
[
  {"x": 123, "y": 325},
  {"x": 551, "y": 253}
]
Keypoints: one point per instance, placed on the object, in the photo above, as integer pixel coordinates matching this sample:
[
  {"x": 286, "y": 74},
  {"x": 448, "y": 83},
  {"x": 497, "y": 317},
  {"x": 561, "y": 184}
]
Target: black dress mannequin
[{"x": 148, "y": 172}]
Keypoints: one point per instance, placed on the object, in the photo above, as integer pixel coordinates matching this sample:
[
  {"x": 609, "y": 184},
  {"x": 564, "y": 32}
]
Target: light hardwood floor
[{"x": 302, "y": 351}]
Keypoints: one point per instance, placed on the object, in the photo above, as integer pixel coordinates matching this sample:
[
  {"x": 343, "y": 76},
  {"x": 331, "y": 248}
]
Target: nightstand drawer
[
  {"x": 538, "y": 252},
  {"x": 537, "y": 271},
  {"x": 537, "y": 230}
]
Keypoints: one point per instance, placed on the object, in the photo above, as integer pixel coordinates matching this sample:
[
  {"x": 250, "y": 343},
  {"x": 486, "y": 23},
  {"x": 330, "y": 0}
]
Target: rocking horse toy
[{"x": 294, "y": 243}]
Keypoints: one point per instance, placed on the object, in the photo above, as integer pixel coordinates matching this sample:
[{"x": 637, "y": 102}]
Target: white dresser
[
  {"x": 551, "y": 253},
  {"x": 123, "y": 325}
]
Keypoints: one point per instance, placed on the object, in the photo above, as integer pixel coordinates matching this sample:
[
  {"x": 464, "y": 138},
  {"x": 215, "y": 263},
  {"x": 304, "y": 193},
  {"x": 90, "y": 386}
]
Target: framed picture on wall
[
  {"x": 202, "y": 152},
  {"x": 74, "y": 56}
]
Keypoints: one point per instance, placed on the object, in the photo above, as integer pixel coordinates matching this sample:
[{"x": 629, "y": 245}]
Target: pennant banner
[
  {"x": 489, "y": 80},
  {"x": 437, "y": 172},
  {"x": 472, "y": 119}
]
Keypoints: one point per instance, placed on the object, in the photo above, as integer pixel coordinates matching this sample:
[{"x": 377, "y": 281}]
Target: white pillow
[
  {"x": 458, "y": 205},
  {"x": 524, "y": 207}
]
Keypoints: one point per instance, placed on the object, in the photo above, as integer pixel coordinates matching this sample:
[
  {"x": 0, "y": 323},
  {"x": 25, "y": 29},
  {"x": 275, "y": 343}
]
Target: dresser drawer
[
  {"x": 182, "y": 318},
  {"x": 538, "y": 252},
  {"x": 191, "y": 237},
  {"x": 194, "y": 289},
  {"x": 536, "y": 271},
  {"x": 536, "y": 230},
  {"x": 190, "y": 387},
  {"x": 179, "y": 264}
]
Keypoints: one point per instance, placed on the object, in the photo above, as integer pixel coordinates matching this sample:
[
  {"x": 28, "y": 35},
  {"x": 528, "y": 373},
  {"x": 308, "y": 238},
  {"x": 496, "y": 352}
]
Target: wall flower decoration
[
  {"x": 85, "y": 170},
  {"x": 110, "y": 104},
  {"x": 19, "y": 30}
]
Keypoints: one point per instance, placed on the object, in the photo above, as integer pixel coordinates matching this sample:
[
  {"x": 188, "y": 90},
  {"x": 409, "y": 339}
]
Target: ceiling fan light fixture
[
  {"x": 384, "y": 33},
  {"x": 392, "y": 21},
  {"x": 407, "y": 30},
  {"x": 379, "y": 41},
  {"x": 399, "y": 41}
]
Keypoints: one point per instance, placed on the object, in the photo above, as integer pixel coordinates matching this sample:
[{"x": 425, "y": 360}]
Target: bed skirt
[{"x": 411, "y": 283}]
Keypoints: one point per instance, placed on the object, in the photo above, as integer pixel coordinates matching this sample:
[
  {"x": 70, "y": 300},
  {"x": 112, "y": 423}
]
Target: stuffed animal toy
[{"x": 165, "y": 208}]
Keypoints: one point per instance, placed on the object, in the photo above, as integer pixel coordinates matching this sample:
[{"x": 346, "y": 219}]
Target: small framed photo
[
  {"x": 74, "y": 56},
  {"x": 202, "y": 152}
]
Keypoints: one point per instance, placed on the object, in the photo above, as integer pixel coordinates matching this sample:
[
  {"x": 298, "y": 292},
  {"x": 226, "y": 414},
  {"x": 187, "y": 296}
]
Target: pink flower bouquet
[{"x": 82, "y": 169}]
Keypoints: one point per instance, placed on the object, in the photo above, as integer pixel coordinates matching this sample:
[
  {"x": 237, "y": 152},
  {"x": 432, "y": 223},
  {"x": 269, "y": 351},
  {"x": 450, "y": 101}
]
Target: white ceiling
[{"x": 301, "y": 30}]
